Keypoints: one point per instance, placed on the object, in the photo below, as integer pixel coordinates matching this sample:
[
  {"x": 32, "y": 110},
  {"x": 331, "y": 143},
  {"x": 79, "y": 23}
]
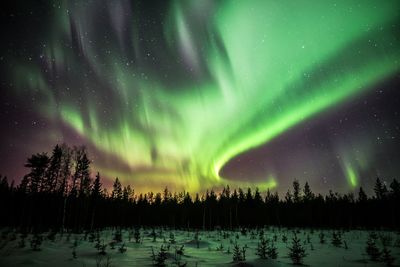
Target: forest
[{"x": 59, "y": 193}]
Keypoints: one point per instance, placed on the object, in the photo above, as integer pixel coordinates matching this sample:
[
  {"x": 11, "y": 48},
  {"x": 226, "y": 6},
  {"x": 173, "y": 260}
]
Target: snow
[{"x": 208, "y": 252}]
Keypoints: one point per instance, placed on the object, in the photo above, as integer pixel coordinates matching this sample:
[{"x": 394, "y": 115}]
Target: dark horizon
[
  {"x": 107, "y": 183},
  {"x": 196, "y": 95}
]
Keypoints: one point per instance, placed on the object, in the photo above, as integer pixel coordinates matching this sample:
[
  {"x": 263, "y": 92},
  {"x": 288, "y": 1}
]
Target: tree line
[{"x": 59, "y": 193}]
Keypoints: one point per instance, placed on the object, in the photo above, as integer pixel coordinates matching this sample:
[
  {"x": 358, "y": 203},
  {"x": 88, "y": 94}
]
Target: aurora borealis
[{"x": 200, "y": 94}]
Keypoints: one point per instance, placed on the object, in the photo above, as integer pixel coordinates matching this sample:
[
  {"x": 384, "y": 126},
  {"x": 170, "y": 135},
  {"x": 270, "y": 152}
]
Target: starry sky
[{"x": 199, "y": 94}]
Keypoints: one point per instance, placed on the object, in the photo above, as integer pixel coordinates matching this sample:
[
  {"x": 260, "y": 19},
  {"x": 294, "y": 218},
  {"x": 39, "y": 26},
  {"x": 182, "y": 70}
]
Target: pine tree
[
  {"x": 372, "y": 250},
  {"x": 345, "y": 245},
  {"x": 379, "y": 189},
  {"x": 322, "y": 238},
  {"x": 180, "y": 251},
  {"x": 85, "y": 181},
  {"x": 284, "y": 238},
  {"x": 237, "y": 253},
  {"x": 272, "y": 251},
  {"x": 172, "y": 238},
  {"x": 117, "y": 190},
  {"x": 308, "y": 194},
  {"x": 118, "y": 235},
  {"x": 262, "y": 248},
  {"x": 137, "y": 236},
  {"x": 81, "y": 177},
  {"x": 23, "y": 187},
  {"x": 102, "y": 249},
  {"x": 36, "y": 242},
  {"x": 65, "y": 171},
  {"x": 288, "y": 197},
  {"x": 96, "y": 188},
  {"x": 296, "y": 191},
  {"x": 336, "y": 239},
  {"x": 3, "y": 184},
  {"x": 362, "y": 197},
  {"x": 387, "y": 257},
  {"x": 153, "y": 235},
  {"x": 54, "y": 170},
  {"x": 395, "y": 189},
  {"x": 296, "y": 251},
  {"x": 38, "y": 164},
  {"x": 122, "y": 248},
  {"x": 160, "y": 258},
  {"x": 74, "y": 255},
  {"x": 257, "y": 197},
  {"x": 166, "y": 195},
  {"x": 197, "y": 239},
  {"x": 21, "y": 242},
  {"x": 127, "y": 193}
]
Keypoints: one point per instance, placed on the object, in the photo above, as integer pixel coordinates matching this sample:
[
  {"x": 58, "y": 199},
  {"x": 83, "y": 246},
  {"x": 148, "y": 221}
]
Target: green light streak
[
  {"x": 351, "y": 176},
  {"x": 271, "y": 67}
]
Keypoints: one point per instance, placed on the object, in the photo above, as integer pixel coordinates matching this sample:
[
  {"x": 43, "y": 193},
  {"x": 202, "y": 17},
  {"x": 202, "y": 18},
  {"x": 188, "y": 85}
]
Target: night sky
[{"x": 200, "y": 94}]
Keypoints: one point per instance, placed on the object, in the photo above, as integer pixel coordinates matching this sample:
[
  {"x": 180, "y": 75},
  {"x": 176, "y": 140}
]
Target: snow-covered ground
[{"x": 213, "y": 248}]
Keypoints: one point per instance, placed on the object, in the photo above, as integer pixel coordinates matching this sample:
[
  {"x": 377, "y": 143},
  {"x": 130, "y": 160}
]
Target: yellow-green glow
[
  {"x": 260, "y": 68},
  {"x": 351, "y": 176}
]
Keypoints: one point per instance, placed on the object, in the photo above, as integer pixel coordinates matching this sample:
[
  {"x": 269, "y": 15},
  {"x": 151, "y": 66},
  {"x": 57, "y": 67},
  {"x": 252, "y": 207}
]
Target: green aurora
[{"x": 253, "y": 71}]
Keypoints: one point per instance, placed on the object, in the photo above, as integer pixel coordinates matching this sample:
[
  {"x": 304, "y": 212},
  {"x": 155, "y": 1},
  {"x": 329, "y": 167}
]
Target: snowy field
[{"x": 191, "y": 248}]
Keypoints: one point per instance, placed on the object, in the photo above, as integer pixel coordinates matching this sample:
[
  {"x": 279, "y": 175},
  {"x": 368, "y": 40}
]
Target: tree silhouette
[
  {"x": 362, "y": 197},
  {"x": 54, "y": 170},
  {"x": 65, "y": 174},
  {"x": 35, "y": 179},
  {"x": 50, "y": 197},
  {"x": 379, "y": 189},
  {"x": 296, "y": 191},
  {"x": 395, "y": 189},
  {"x": 117, "y": 190},
  {"x": 308, "y": 194},
  {"x": 296, "y": 251}
]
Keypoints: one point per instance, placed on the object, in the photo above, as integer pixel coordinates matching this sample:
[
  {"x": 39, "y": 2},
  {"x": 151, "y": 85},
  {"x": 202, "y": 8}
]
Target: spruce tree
[
  {"x": 79, "y": 170},
  {"x": 96, "y": 187},
  {"x": 308, "y": 194},
  {"x": 387, "y": 257},
  {"x": 122, "y": 248},
  {"x": 379, "y": 189},
  {"x": 372, "y": 250},
  {"x": 137, "y": 236},
  {"x": 84, "y": 173},
  {"x": 117, "y": 190},
  {"x": 362, "y": 197},
  {"x": 296, "y": 251},
  {"x": 288, "y": 197},
  {"x": 395, "y": 189},
  {"x": 54, "y": 170},
  {"x": 237, "y": 253},
  {"x": 172, "y": 238},
  {"x": 262, "y": 247},
  {"x": 336, "y": 239},
  {"x": 272, "y": 250},
  {"x": 322, "y": 238},
  {"x": 36, "y": 242},
  {"x": 38, "y": 164},
  {"x": 161, "y": 257},
  {"x": 65, "y": 171},
  {"x": 296, "y": 191}
]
